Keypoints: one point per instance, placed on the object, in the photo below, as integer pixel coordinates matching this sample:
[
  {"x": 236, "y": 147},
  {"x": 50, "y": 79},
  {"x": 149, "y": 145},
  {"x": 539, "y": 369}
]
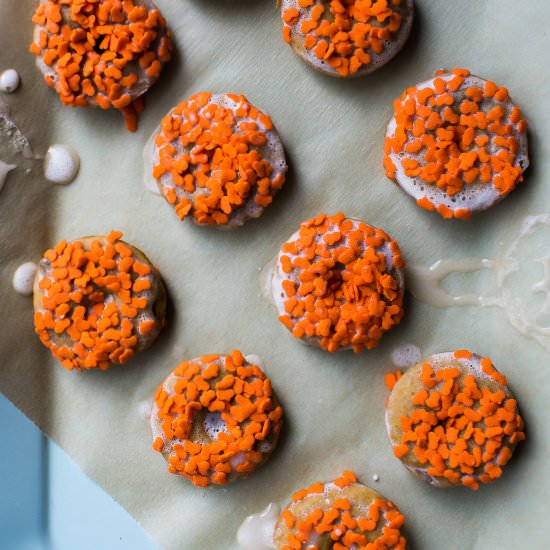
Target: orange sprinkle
[
  {"x": 349, "y": 294},
  {"x": 353, "y": 32},
  {"x": 340, "y": 517},
  {"x": 442, "y": 137},
  {"x": 102, "y": 52},
  {"x": 77, "y": 320},
  {"x": 223, "y": 170},
  {"x": 237, "y": 391},
  {"x": 459, "y": 430}
]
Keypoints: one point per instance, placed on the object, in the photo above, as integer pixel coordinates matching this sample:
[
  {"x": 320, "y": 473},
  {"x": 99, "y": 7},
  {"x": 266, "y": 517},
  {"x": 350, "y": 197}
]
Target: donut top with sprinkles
[
  {"x": 458, "y": 134},
  {"x": 218, "y": 155},
  {"x": 341, "y": 283},
  {"x": 340, "y": 515},
  {"x": 94, "y": 302},
  {"x": 347, "y": 35},
  {"x": 101, "y": 52},
  {"x": 215, "y": 418},
  {"x": 461, "y": 430}
]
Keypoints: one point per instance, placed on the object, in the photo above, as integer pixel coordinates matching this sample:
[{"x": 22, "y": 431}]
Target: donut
[
  {"x": 101, "y": 53},
  {"x": 452, "y": 420},
  {"x": 218, "y": 159},
  {"x": 456, "y": 143},
  {"x": 97, "y": 301},
  {"x": 215, "y": 419},
  {"x": 342, "y": 514},
  {"x": 338, "y": 283},
  {"x": 347, "y": 38}
]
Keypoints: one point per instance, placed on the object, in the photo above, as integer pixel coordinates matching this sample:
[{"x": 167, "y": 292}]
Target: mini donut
[
  {"x": 452, "y": 420},
  {"x": 456, "y": 143},
  {"x": 338, "y": 283},
  {"x": 215, "y": 419},
  {"x": 347, "y": 38},
  {"x": 101, "y": 53},
  {"x": 97, "y": 301},
  {"x": 342, "y": 514},
  {"x": 218, "y": 159}
]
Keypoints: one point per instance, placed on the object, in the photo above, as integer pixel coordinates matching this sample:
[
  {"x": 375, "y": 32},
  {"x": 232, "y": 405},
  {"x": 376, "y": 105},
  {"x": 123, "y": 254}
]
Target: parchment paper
[{"x": 333, "y": 132}]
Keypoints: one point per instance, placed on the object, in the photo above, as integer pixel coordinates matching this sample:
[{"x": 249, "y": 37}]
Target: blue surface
[{"x": 47, "y": 503}]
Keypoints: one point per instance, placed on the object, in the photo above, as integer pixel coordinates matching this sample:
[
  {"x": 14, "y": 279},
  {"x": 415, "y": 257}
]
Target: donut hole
[
  {"x": 207, "y": 426},
  {"x": 214, "y": 425}
]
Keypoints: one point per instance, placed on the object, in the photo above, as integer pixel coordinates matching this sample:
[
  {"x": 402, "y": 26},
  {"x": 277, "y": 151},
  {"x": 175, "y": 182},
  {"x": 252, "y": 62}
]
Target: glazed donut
[
  {"x": 215, "y": 419},
  {"x": 218, "y": 159},
  {"x": 97, "y": 301},
  {"x": 349, "y": 37},
  {"x": 452, "y": 420},
  {"x": 340, "y": 515},
  {"x": 456, "y": 143},
  {"x": 101, "y": 53},
  {"x": 338, "y": 283}
]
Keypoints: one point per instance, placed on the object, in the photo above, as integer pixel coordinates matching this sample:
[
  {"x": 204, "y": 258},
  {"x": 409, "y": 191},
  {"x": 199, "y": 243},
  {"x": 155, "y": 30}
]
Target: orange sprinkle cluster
[
  {"x": 460, "y": 432},
  {"x": 100, "y": 51},
  {"x": 345, "y": 529},
  {"x": 451, "y": 134},
  {"x": 241, "y": 394},
  {"x": 91, "y": 302},
  {"x": 345, "y": 33},
  {"x": 223, "y": 164},
  {"x": 337, "y": 284}
]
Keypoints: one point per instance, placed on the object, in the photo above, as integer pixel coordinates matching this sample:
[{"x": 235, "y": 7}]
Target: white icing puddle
[
  {"x": 406, "y": 355},
  {"x": 514, "y": 292},
  {"x": 14, "y": 136},
  {"x": 61, "y": 164},
  {"x": 9, "y": 81},
  {"x": 23, "y": 278},
  {"x": 256, "y": 531},
  {"x": 5, "y": 169}
]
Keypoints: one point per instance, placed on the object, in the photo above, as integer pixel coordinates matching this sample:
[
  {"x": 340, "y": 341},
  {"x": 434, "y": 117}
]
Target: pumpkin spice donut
[
  {"x": 452, "y": 420},
  {"x": 97, "y": 301},
  {"x": 218, "y": 160},
  {"x": 456, "y": 143},
  {"x": 101, "y": 53},
  {"x": 338, "y": 283},
  {"x": 347, "y": 38},
  {"x": 215, "y": 419},
  {"x": 341, "y": 515}
]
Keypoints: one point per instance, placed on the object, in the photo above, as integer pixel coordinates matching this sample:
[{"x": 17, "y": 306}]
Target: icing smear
[
  {"x": 256, "y": 531},
  {"x": 523, "y": 307},
  {"x": 5, "y": 169}
]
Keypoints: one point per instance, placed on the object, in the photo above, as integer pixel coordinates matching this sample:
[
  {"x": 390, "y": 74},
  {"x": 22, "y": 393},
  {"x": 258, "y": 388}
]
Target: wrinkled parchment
[{"x": 333, "y": 132}]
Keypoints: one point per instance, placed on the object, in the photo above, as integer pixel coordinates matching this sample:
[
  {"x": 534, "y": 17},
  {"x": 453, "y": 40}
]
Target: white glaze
[
  {"x": 375, "y": 477},
  {"x": 256, "y": 531},
  {"x": 425, "y": 283},
  {"x": 406, "y": 355},
  {"x": 13, "y": 134},
  {"x": 61, "y": 164},
  {"x": 5, "y": 169},
  {"x": 23, "y": 278},
  {"x": 9, "y": 81},
  {"x": 148, "y": 161}
]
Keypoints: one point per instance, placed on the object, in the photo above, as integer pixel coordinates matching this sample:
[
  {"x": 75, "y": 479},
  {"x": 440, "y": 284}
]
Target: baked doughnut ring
[
  {"x": 218, "y": 159},
  {"x": 349, "y": 37},
  {"x": 97, "y": 301},
  {"x": 452, "y": 420},
  {"x": 101, "y": 53},
  {"x": 338, "y": 283},
  {"x": 456, "y": 143},
  {"x": 215, "y": 419},
  {"x": 340, "y": 515}
]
